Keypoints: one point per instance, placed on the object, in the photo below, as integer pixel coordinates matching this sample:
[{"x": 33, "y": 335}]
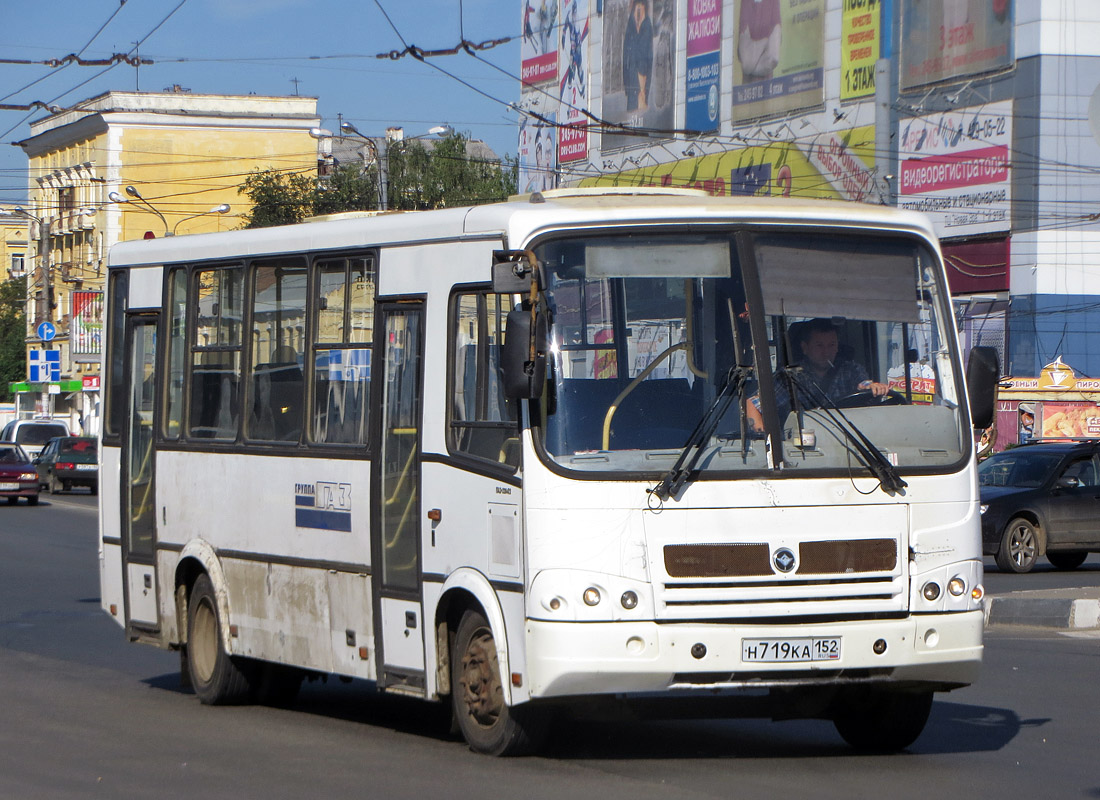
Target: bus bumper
[{"x": 938, "y": 650}]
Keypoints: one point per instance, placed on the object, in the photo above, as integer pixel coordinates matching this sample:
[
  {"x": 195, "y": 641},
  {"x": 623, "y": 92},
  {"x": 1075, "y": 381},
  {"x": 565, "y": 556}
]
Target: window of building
[{"x": 341, "y": 349}]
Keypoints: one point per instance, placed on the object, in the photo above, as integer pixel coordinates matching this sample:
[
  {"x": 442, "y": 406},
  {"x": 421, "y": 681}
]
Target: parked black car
[
  {"x": 17, "y": 475},
  {"x": 67, "y": 462},
  {"x": 1038, "y": 499}
]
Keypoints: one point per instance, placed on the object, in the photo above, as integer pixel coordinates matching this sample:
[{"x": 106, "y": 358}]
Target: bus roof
[{"x": 519, "y": 219}]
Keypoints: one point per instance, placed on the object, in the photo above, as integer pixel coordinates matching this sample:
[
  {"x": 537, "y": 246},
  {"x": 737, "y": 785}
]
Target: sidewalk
[{"x": 1046, "y": 608}]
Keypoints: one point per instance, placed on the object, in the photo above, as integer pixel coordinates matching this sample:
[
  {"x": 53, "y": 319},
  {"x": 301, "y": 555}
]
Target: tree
[
  {"x": 13, "y": 334},
  {"x": 418, "y": 178}
]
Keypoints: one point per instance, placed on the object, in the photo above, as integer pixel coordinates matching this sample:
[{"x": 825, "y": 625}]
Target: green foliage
[
  {"x": 418, "y": 178},
  {"x": 13, "y": 335}
]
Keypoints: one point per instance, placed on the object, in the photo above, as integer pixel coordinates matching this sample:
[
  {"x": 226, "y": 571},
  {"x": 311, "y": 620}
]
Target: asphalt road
[{"x": 85, "y": 714}]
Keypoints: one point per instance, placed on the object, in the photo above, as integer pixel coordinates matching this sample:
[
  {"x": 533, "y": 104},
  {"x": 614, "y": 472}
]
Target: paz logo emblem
[{"x": 783, "y": 559}]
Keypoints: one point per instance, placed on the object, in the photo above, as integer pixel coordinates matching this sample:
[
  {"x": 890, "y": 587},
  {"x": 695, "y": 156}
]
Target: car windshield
[
  {"x": 649, "y": 328},
  {"x": 1021, "y": 468},
  {"x": 39, "y": 433}
]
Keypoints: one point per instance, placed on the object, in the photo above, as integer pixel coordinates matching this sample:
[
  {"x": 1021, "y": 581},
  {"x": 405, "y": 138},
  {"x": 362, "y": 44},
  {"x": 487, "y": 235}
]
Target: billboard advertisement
[
  {"x": 704, "y": 65},
  {"x": 835, "y": 166},
  {"x": 946, "y": 39},
  {"x": 573, "y": 84},
  {"x": 536, "y": 155},
  {"x": 955, "y": 167},
  {"x": 639, "y": 69},
  {"x": 780, "y": 56},
  {"x": 860, "y": 45},
  {"x": 538, "y": 46},
  {"x": 86, "y": 333}
]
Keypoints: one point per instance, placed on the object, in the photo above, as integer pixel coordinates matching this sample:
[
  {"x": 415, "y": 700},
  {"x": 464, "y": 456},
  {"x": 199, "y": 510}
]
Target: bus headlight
[
  {"x": 931, "y": 591},
  {"x": 629, "y": 600},
  {"x": 956, "y": 586},
  {"x": 592, "y": 596}
]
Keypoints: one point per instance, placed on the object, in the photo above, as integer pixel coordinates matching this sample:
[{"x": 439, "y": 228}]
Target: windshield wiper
[
  {"x": 676, "y": 477},
  {"x": 872, "y": 457}
]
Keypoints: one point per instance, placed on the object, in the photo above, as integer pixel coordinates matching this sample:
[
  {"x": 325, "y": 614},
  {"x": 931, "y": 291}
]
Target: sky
[{"x": 317, "y": 48}]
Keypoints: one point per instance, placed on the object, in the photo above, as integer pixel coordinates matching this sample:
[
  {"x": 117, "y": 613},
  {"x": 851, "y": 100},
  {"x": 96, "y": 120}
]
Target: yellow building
[{"x": 132, "y": 165}]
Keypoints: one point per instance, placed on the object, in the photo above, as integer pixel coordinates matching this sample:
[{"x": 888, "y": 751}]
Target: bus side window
[
  {"x": 343, "y": 329},
  {"x": 214, "y": 411},
  {"x": 482, "y": 420}
]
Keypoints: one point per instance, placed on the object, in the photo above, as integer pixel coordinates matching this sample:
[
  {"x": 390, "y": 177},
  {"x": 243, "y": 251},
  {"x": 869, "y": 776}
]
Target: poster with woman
[{"x": 639, "y": 68}]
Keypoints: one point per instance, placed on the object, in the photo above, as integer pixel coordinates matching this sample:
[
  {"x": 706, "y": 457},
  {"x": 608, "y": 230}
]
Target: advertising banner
[
  {"x": 860, "y": 41},
  {"x": 704, "y": 65},
  {"x": 639, "y": 69},
  {"x": 536, "y": 154},
  {"x": 945, "y": 39},
  {"x": 955, "y": 167},
  {"x": 573, "y": 85},
  {"x": 831, "y": 166},
  {"x": 86, "y": 335},
  {"x": 538, "y": 46},
  {"x": 780, "y": 55}
]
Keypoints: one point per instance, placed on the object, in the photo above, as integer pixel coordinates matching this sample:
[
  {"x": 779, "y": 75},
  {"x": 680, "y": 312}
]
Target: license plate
[
  {"x": 791, "y": 650},
  {"x": 9, "y": 487},
  {"x": 85, "y": 466}
]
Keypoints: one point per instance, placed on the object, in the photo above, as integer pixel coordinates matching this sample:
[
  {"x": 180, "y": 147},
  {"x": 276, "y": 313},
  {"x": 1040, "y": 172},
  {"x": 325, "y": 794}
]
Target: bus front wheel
[
  {"x": 486, "y": 721},
  {"x": 882, "y": 721},
  {"x": 216, "y": 677}
]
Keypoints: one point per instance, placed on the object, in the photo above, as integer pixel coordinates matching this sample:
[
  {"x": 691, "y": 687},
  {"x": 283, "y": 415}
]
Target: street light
[
  {"x": 222, "y": 209},
  {"x": 378, "y": 145},
  {"x": 115, "y": 197}
]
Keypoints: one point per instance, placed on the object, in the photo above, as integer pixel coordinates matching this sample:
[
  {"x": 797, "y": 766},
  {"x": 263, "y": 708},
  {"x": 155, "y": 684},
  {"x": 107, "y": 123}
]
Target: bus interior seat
[{"x": 277, "y": 391}]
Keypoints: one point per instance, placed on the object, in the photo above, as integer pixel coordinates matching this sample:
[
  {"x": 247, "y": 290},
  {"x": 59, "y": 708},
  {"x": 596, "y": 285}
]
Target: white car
[{"x": 33, "y": 434}]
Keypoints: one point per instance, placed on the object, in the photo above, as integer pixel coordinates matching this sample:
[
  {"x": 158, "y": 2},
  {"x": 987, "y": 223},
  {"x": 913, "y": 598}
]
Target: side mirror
[
  {"x": 513, "y": 272},
  {"x": 983, "y": 372},
  {"x": 524, "y": 376},
  {"x": 1066, "y": 482}
]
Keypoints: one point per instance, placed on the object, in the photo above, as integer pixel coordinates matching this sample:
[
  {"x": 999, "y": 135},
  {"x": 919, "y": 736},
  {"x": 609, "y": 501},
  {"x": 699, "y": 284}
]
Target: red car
[{"x": 18, "y": 477}]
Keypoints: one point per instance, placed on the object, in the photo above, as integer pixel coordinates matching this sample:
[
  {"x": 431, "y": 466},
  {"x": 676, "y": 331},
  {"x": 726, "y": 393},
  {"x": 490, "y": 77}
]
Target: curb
[{"x": 1043, "y": 612}]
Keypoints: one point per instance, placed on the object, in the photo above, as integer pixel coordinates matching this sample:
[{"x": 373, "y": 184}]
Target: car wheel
[
  {"x": 216, "y": 677},
  {"x": 881, "y": 721},
  {"x": 55, "y": 485},
  {"x": 12, "y": 501},
  {"x": 1019, "y": 548},
  {"x": 32, "y": 500},
  {"x": 487, "y": 722},
  {"x": 1067, "y": 559}
]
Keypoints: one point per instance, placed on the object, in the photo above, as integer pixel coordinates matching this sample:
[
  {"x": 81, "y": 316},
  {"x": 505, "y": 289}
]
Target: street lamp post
[
  {"x": 221, "y": 209},
  {"x": 115, "y": 197},
  {"x": 379, "y": 158}
]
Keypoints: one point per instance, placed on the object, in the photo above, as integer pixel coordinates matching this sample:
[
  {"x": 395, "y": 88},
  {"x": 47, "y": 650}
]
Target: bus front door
[
  {"x": 395, "y": 523},
  {"x": 138, "y": 507}
]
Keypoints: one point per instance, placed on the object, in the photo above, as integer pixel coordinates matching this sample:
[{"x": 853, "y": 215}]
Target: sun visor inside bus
[
  {"x": 857, "y": 284},
  {"x": 659, "y": 260}
]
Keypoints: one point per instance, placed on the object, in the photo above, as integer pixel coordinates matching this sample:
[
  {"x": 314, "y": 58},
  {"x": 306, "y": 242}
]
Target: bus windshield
[{"x": 651, "y": 331}]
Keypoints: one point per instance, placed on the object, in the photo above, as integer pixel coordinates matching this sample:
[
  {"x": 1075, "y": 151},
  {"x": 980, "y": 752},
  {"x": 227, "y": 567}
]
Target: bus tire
[
  {"x": 882, "y": 721},
  {"x": 487, "y": 723},
  {"x": 216, "y": 677}
]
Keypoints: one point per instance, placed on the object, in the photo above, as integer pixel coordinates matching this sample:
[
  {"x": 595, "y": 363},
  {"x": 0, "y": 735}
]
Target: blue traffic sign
[
  {"x": 46, "y": 331},
  {"x": 44, "y": 366}
]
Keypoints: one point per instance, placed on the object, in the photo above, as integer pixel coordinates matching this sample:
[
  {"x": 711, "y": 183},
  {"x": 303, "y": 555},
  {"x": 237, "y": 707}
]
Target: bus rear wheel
[
  {"x": 216, "y": 677},
  {"x": 486, "y": 721},
  {"x": 882, "y": 721}
]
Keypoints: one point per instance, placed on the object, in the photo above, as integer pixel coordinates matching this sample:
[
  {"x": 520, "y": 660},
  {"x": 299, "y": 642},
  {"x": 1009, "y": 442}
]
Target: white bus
[{"x": 502, "y": 457}]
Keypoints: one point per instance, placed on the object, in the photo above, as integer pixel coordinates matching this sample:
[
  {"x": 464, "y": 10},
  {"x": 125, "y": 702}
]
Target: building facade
[
  {"x": 128, "y": 165},
  {"x": 983, "y": 114}
]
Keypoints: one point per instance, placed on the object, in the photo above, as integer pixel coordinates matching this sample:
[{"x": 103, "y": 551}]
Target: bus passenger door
[
  {"x": 395, "y": 500},
  {"x": 138, "y": 507}
]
